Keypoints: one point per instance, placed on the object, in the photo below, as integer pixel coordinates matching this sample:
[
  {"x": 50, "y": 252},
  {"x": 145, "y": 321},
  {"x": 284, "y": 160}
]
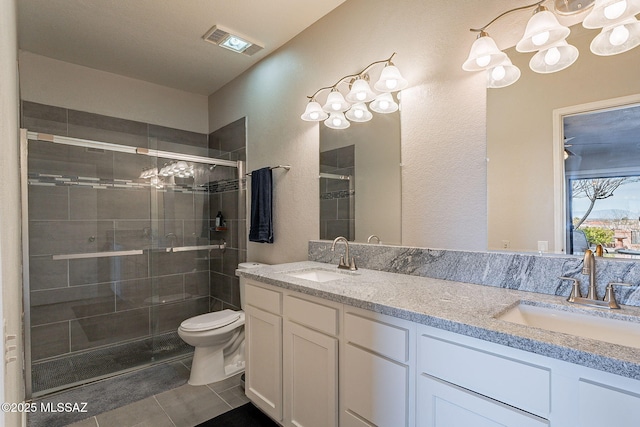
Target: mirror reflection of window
[{"x": 602, "y": 180}]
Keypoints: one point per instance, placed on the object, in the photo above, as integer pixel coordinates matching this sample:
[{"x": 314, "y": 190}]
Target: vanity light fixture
[
  {"x": 620, "y": 29},
  {"x": 547, "y": 37},
  {"x": 354, "y": 103}
]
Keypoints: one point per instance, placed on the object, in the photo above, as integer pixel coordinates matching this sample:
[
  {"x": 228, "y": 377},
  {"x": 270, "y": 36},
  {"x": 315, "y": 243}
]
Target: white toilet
[{"x": 219, "y": 341}]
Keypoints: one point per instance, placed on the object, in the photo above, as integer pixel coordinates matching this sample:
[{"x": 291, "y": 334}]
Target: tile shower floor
[
  {"x": 157, "y": 396},
  {"x": 59, "y": 373}
]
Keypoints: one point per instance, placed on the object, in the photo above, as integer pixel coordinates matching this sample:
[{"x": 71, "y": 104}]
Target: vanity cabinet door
[
  {"x": 606, "y": 405},
  {"x": 263, "y": 347},
  {"x": 310, "y": 377},
  {"x": 441, "y": 404}
]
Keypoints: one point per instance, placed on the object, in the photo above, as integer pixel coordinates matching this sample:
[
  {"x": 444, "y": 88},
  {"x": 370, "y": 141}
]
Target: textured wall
[
  {"x": 10, "y": 253},
  {"x": 443, "y": 118}
]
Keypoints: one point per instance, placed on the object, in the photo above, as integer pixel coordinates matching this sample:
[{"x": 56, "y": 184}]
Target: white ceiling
[{"x": 160, "y": 41}]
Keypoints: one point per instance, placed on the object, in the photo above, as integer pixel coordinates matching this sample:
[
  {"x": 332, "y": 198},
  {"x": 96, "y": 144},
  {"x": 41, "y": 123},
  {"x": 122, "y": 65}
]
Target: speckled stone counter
[
  {"x": 525, "y": 272},
  {"x": 463, "y": 308}
]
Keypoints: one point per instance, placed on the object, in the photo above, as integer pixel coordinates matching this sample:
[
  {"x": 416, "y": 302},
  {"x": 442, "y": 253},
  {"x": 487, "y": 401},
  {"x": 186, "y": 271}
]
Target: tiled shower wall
[
  {"x": 336, "y": 198},
  {"x": 229, "y": 142},
  {"x": 82, "y": 304}
]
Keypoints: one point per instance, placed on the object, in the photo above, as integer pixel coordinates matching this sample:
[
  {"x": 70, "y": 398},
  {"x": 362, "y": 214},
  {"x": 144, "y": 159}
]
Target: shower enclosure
[{"x": 122, "y": 246}]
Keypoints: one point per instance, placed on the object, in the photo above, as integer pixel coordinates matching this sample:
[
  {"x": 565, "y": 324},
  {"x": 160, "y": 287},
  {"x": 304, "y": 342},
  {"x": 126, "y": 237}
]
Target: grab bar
[{"x": 96, "y": 254}]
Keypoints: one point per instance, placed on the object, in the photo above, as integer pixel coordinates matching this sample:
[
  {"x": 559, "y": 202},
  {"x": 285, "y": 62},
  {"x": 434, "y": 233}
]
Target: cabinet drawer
[
  {"x": 262, "y": 298},
  {"x": 510, "y": 381},
  {"x": 443, "y": 404},
  {"x": 383, "y": 338},
  {"x": 311, "y": 314}
]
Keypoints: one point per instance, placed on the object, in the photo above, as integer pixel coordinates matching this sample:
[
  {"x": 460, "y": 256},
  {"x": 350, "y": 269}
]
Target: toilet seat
[{"x": 209, "y": 321}]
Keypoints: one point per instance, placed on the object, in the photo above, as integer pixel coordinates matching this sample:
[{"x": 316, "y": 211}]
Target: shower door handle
[
  {"x": 97, "y": 254},
  {"x": 197, "y": 248}
]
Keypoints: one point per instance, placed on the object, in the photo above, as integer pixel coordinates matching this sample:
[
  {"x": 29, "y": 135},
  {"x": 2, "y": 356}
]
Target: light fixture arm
[
  {"x": 334, "y": 86},
  {"x": 481, "y": 29}
]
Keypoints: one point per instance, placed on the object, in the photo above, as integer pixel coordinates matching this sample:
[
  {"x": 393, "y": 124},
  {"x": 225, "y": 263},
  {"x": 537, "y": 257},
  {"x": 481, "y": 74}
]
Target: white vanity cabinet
[
  {"x": 292, "y": 355},
  {"x": 466, "y": 381},
  {"x": 263, "y": 348},
  {"x": 310, "y": 361},
  {"x": 317, "y": 363},
  {"x": 377, "y": 371}
]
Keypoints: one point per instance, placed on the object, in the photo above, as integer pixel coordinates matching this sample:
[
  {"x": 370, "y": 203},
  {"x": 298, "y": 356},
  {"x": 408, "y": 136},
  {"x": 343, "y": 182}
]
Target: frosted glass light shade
[
  {"x": 335, "y": 103},
  {"x": 390, "y": 80},
  {"x": 609, "y": 12},
  {"x": 484, "y": 54},
  {"x": 313, "y": 112},
  {"x": 617, "y": 38},
  {"x": 384, "y": 103},
  {"x": 360, "y": 92},
  {"x": 337, "y": 121},
  {"x": 542, "y": 31},
  {"x": 502, "y": 75},
  {"x": 359, "y": 113},
  {"x": 554, "y": 58}
]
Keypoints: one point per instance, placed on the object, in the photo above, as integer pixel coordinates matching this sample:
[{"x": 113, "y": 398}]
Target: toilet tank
[{"x": 246, "y": 266}]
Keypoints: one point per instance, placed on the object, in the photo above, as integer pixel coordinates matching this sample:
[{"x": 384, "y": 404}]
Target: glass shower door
[{"x": 118, "y": 253}]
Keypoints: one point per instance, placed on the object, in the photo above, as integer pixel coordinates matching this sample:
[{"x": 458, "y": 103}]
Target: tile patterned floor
[{"x": 177, "y": 405}]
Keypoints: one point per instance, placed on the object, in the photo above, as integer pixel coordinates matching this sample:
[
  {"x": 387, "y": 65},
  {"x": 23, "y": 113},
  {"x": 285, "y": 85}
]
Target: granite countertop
[{"x": 462, "y": 308}]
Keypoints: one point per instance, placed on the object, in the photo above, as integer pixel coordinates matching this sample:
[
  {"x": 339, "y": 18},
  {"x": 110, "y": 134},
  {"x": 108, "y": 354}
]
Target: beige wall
[
  {"x": 49, "y": 81},
  {"x": 10, "y": 253},
  {"x": 520, "y": 137},
  {"x": 443, "y": 118}
]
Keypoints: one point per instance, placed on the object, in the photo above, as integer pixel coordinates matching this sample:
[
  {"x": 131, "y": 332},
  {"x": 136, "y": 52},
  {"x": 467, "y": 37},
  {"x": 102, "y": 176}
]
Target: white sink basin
[
  {"x": 615, "y": 331},
  {"x": 318, "y": 275}
]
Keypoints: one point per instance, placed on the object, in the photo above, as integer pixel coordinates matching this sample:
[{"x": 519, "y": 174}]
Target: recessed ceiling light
[{"x": 226, "y": 39}]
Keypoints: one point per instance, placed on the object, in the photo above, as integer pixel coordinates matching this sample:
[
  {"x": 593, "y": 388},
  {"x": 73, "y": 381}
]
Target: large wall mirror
[
  {"x": 540, "y": 125},
  {"x": 360, "y": 180}
]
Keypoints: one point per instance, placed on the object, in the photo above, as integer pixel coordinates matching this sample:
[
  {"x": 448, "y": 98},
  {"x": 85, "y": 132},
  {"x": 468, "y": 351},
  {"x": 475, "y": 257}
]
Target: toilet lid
[{"x": 214, "y": 320}]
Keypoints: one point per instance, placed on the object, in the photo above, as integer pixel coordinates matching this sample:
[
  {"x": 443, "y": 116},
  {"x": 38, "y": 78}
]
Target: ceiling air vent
[{"x": 224, "y": 38}]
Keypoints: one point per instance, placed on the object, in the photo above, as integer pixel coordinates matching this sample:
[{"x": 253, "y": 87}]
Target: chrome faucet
[
  {"x": 351, "y": 262},
  {"x": 373, "y": 236},
  {"x": 589, "y": 268}
]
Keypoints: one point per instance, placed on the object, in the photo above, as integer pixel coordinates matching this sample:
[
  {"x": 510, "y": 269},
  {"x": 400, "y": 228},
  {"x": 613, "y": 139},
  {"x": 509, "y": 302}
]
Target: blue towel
[{"x": 261, "y": 206}]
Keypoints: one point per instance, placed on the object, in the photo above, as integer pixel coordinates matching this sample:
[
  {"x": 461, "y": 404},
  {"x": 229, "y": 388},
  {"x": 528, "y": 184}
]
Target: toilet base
[{"x": 208, "y": 366}]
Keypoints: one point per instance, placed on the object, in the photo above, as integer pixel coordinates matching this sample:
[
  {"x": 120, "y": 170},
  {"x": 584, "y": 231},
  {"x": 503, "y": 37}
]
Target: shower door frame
[{"x": 25, "y": 137}]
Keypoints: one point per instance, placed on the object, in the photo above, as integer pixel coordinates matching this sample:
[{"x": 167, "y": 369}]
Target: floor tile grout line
[{"x": 163, "y": 410}]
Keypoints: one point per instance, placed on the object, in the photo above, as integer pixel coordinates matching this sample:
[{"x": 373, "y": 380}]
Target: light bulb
[
  {"x": 483, "y": 61},
  {"x": 552, "y": 57},
  {"x": 314, "y": 116},
  {"x": 498, "y": 73},
  {"x": 384, "y": 105},
  {"x": 358, "y": 113},
  {"x": 540, "y": 39},
  {"x": 361, "y": 96},
  {"x": 336, "y": 121},
  {"x": 615, "y": 10},
  {"x": 391, "y": 83},
  {"x": 336, "y": 106},
  {"x": 619, "y": 35}
]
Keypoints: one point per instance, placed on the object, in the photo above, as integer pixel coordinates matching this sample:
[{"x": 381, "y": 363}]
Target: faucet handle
[
  {"x": 610, "y": 296},
  {"x": 352, "y": 265},
  {"x": 341, "y": 263},
  {"x": 575, "y": 288}
]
